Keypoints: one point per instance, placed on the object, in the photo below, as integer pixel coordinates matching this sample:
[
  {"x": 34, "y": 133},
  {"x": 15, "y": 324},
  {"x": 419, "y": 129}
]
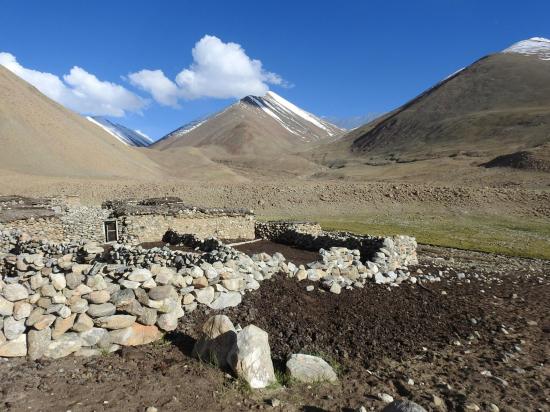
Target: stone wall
[
  {"x": 389, "y": 253},
  {"x": 151, "y": 228},
  {"x": 75, "y": 298},
  {"x": 67, "y": 224},
  {"x": 84, "y": 222},
  {"x": 40, "y": 228}
]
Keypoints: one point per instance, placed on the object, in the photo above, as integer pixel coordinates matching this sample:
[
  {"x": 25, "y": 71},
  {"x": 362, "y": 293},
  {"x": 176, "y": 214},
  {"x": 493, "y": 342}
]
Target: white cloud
[
  {"x": 79, "y": 90},
  {"x": 219, "y": 70},
  {"x": 155, "y": 82}
]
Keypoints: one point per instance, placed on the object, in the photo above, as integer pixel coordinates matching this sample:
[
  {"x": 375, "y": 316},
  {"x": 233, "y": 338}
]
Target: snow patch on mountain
[
  {"x": 188, "y": 127},
  {"x": 297, "y": 121},
  {"x": 535, "y": 46},
  {"x": 262, "y": 105},
  {"x": 125, "y": 135},
  {"x": 299, "y": 112}
]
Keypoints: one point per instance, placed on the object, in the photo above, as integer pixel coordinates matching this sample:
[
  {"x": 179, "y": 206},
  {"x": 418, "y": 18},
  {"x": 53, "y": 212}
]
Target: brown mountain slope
[
  {"x": 40, "y": 137},
  {"x": 498, "y": 105},
  {"x": 254, "y": 126}
]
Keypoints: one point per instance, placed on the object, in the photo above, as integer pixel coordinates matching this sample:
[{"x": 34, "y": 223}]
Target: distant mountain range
[{"x": 495, "y": 111}]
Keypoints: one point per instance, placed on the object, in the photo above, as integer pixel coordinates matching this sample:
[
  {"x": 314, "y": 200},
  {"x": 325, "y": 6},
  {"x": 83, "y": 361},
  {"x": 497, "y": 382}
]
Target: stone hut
[
  {"x": 134, "y": 221},
  {"x": 148, "y": 220}
]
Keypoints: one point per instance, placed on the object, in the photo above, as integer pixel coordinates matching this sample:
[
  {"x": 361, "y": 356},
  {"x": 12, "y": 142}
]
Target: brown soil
[
  {"x": 376, "y": 338},
  {"x": 292, "y": 254}
]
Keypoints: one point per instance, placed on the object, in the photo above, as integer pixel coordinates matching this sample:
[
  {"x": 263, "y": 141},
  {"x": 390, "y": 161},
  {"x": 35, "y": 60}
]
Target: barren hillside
[{"x": 40, "y": 137}]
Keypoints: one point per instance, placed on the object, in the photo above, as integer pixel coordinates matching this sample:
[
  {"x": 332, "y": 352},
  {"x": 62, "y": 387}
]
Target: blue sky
[{"x": 333, "y": 58}]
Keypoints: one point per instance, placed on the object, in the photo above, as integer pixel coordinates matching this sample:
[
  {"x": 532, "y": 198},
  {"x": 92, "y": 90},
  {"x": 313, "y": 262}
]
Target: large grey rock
[
  {"x": 123, "y": 297},
  {"x": 165, "y": 276},
  {"x": 13, "y": 328},
  {"x": 103, "y": 309},
  {"x": 63, "y": 325},
  {"x": 48, "y": 290},
  {"x": 64, "y": 346},
  {"x": 73, "y": 279},
  {"x": 226, "y": 300},
  {"x": 250, "y": 358},
  {"x": 44, "y": 321},
  {"x": 168, "y": 321},
  {"x": 79, "y": 305},
  {"x": 140, "y": 275},
  {"x": 6, "y": 307},
  {"x": 169, "y": 305},
  {"x": 58, "y": 281},
  {"x": 141, "y": 296},
  {"x": 83, "y": 323},
  {"x": 403, "y": 406},
  {"x": 148, "y": 316},
  {"x": 161, "y": 292},
  {"x": 217, "y": 340},
  {"x": 310, "y": 369},
  {"x": 129, "y": 284},
  {"x": 234, "y": 284},
  {"x": 14, "y": 292},
  {"x": 38, "y": 342},
  {"x": 96, "y": 282},
  {"x": 204, "y": 296},
  {"x": 37, "y": 281},
  {"x": 14, "y": 348},
  {"x": 98, "y": 296},
  {"x": 34, "y": 316},
  {"x": 92, "y": 336}
]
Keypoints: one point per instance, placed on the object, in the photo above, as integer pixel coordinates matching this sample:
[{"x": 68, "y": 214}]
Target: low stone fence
[
  {"x": 48, "y": 227},
  {"x": 389, "y": 253},
  {"x": 59, "y": 299}
]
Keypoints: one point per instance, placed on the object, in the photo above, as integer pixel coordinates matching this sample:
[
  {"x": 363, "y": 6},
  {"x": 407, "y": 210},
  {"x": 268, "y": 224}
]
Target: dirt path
[{"x": 485, "y": 340}]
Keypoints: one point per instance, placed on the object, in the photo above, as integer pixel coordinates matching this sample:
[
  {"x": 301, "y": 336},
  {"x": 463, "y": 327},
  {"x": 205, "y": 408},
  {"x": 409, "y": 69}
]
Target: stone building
[
  {"x": 148, "y": 220},
  {"x": 65, "y": 219}
]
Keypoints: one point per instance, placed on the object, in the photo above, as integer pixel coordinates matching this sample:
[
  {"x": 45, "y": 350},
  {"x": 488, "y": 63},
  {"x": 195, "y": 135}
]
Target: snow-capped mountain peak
[
  {"x": 125, "y": 135},
  {"x": 254, "y": 123},
  {"x": 294, "y": 119},
  {"x": 535, "y": 46}
]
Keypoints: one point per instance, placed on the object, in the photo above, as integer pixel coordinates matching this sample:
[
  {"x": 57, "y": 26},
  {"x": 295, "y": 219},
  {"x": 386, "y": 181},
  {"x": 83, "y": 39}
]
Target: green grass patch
[{"x": 512, "y": 236}]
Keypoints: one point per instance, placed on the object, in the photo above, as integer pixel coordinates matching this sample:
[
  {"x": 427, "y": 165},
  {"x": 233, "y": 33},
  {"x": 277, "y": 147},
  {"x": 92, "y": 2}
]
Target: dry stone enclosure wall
[{"x": 389, "y": 253}]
